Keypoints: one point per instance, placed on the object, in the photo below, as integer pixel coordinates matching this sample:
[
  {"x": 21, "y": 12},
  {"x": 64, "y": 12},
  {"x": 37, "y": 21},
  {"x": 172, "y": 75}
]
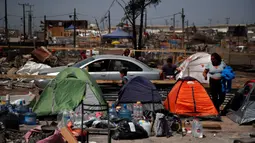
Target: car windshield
[{"x": 83, "y": 62}]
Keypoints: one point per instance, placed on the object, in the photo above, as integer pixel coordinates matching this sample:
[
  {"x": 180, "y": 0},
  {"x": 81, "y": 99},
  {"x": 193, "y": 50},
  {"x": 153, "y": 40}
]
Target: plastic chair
[{"x": 102, "y": 108}]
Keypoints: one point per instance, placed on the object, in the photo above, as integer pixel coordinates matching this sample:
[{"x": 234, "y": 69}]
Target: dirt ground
[{"x": 229, "y": 132}]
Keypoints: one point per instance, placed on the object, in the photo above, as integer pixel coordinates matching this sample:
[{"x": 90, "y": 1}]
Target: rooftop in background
[{"x": 66, "y": 23}]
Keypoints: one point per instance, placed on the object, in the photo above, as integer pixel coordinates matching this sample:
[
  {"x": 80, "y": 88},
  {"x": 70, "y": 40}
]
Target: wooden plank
[
  {"x": 68, "y": 136},
  {"x": 212, "y": 126},
  {"x": 158, "y": 82},
  {"x": 57, "y": 48}
]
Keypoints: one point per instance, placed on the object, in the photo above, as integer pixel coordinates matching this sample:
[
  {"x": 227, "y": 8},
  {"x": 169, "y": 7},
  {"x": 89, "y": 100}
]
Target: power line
[
  {"x": 42, "y": 16},
  {"x": 161, "y": 17},
  {"x": 15, "y": 15},
  {"x": 106, "y": 13},
  {"x": 54, "y": 15}
]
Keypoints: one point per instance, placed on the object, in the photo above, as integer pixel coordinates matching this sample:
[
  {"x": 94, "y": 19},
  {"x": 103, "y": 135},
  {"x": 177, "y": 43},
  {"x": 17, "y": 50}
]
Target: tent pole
[
  {"x": 153, "y": 106},
  {"x": 194, "y": 101},
  {"x": 168, "y": 102},
  {"x": 82, "y": 118}
]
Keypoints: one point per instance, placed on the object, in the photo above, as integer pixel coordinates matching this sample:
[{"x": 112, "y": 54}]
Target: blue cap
[{"x": 125, "y": 106}]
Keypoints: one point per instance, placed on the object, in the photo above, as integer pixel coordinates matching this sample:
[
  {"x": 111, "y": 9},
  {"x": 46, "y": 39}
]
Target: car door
[
  {"x": 117, "y": 65},
  {"x": 99, "y": 69}
]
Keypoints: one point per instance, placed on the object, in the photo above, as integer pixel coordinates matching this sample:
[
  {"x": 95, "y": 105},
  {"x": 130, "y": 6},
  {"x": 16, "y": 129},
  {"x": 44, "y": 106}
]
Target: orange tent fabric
[{"x": 188, "y": 97}]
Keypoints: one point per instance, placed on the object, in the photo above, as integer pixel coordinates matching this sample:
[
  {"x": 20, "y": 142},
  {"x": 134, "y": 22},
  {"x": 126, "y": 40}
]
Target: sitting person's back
[{"x": 169, "y": 68}]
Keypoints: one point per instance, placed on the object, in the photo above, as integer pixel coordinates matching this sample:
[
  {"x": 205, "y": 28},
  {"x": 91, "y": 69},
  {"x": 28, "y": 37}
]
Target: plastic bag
[
  {"x": 125, "y": 131},
  {"x": 9, "y": 120},
  {"x": 158, "y": 126},
  {"x": 163, "y": 125}
]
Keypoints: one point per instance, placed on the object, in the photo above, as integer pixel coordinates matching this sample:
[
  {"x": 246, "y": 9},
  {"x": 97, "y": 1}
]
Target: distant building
[
  {"x": 58, "y": 28},
  {"x": 237, "y": 31}
]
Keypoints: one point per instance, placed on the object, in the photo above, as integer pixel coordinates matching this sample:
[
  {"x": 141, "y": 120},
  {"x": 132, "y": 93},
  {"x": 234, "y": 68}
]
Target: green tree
[
  {"x": 121, "y": 24},
  {"x": 131, "y": 14},
  {"x": 143, "y": 4},
  {"x": 133, "y": 9}
]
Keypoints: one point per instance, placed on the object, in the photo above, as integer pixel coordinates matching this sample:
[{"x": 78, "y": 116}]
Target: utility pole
[
  {"x": 45, "y": 30},
  {"x": 103, "y": 24},
  {"x": 145, "y": 21},
  {"x": 6, "y": 24},
  {"x": 166, "y": 22},
  {"x": 98, "y": 27},
  {"x": 187, "y": 22},
  {"x": 74, "y": 29},
  {"x": 229, "y": 47},
  {"x": 210, "y": 22},
  {"x": 183, "y": 36},
  {"x": 174, "y": 23},
  {"x": 30, "y": 21},
  {"x": 109, "y": 20},
  {"x": 227, "y": 20},
  {"x": 24, "y": 18},
  {"x": 134, "y": 26},
  {"x": 174, "y": 20}
]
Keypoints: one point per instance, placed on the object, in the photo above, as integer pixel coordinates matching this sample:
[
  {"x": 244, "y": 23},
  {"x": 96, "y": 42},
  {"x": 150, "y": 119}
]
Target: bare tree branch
[
  {"x": 126, "y": 13},
  {"x": 123, "y": 2}
]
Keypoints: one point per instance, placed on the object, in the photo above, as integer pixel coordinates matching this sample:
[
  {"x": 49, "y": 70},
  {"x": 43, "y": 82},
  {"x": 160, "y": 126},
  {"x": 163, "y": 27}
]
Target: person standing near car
[
  {"x": 123, "y": 75},
  {"x": 128, "y": 53},
  {"x": 215, "y": 68}
]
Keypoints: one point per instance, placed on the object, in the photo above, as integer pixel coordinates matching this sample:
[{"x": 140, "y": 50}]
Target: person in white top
[{"x": 215, "y": 68}]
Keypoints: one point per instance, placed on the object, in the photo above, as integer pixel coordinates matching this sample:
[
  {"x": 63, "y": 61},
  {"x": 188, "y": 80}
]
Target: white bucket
[{"x": 147, "y": 127}]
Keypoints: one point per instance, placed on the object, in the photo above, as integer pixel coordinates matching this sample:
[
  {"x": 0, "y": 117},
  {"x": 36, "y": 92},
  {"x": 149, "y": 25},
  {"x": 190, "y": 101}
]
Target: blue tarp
[
  {"x": 118, "y": 33},
  {"x": 70, "y": 27},
  {"x": 139, "y": 89}
]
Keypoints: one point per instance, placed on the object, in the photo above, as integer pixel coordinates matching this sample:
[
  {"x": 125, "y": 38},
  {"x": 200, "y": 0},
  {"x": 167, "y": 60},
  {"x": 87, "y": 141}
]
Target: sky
[{"x": 197, "y": 11}]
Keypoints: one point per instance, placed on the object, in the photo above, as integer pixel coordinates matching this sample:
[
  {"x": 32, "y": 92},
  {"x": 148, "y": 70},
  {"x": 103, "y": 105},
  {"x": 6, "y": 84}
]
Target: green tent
[{"x": 66, "y": 92}]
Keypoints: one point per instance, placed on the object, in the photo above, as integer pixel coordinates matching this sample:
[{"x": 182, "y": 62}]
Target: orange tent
[{"x": 188, "y": 97}]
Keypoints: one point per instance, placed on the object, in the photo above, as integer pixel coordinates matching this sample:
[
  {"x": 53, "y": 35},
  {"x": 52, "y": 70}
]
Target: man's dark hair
[
  {"x": 124, "y": 71},
  {"x": 169, "y": 60}
]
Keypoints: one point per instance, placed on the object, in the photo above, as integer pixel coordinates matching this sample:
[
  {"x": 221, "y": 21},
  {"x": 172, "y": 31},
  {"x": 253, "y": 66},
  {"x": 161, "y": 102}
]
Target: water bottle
[
  {"x": 72, "y": 116},
  {"x": 140, "y": 110},
  {"x": 112, "y": 112},
  {"x": 125, "y": 113},
  {"x": 30, "y": 118},
  {"x": 78, "y": 118},
  {"x": 135, "y": 109},
  {"x": 7, "y": 99},
  {"x": 65, "y": 117},
  {"x": 197, "y": 129},
  {"x": 21, "y": 110}
]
